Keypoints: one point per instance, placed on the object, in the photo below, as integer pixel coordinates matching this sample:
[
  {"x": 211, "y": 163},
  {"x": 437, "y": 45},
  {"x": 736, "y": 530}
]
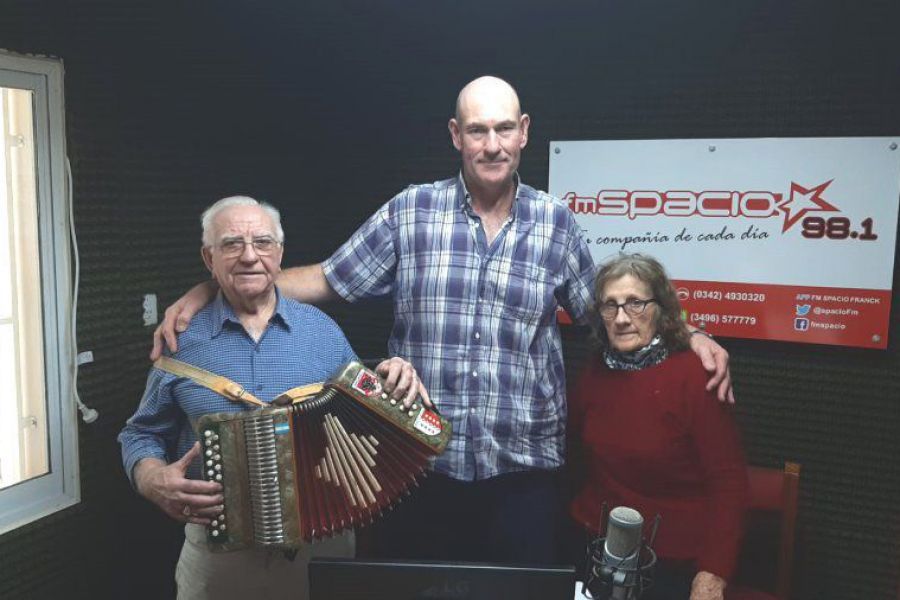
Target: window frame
[{"x": 41, "y": 496}]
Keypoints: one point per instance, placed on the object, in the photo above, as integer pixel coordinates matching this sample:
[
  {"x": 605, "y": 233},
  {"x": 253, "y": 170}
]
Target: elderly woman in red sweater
[{"x": 653, "y": 438}]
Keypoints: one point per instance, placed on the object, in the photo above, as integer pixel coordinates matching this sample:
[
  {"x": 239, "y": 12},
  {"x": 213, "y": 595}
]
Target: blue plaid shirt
[
  {"x": 477, "y": 320},
  {"x": 300, "y": 345}
]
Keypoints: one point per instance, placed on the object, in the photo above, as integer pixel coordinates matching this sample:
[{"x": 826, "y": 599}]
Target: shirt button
[
  {"x": 474, "y": 373},
  {"x": 472, "y": 410},
  {"x": 477, "y": 336}
]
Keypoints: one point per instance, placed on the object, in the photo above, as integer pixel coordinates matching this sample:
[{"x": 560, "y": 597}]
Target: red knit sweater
[{"x": 655, "y": 440}]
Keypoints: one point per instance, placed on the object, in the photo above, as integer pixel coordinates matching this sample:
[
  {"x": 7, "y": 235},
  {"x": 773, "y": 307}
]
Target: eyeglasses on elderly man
[{"x": 231, "y": 247}]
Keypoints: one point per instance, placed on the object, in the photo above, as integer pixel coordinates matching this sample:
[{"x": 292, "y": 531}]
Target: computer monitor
[{"x": 349, "y": 579}]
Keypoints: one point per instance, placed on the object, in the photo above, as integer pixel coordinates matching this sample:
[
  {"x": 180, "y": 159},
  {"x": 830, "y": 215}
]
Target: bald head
[
  {"x": 487, "y": 90},
  {"x": 490, "y": 131}
]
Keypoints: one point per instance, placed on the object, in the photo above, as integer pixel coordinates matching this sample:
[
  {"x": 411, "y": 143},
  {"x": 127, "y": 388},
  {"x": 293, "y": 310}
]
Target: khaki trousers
[{"x": 251, "y": 574}]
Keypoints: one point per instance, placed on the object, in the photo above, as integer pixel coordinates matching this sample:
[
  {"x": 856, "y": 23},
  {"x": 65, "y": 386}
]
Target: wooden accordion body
[{"x": 313, "y": 469}]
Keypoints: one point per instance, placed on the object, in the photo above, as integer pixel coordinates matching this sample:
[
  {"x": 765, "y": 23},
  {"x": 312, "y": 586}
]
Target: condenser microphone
[
  {"x": 622, "y": 548},
  {"x": 620, "y": 566}
]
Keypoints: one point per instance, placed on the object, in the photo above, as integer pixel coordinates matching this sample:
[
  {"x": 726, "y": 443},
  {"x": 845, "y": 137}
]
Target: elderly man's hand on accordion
[
  {"x": 185, "y": 500},
  {"x": 402, "y": 382}
]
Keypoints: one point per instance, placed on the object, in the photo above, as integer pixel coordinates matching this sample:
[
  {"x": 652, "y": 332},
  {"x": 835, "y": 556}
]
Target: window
[{"x": 38, "y": 430}]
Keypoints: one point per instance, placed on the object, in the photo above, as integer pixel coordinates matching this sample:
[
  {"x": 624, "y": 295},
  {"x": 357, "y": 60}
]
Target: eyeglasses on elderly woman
[{"x": 634, "y": 307}]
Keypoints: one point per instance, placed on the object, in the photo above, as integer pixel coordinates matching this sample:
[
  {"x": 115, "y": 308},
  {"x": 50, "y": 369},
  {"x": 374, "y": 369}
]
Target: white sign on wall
[{"x": 789, "y": 239}]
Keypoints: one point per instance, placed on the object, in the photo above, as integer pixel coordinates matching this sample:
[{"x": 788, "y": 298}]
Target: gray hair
[
  {"x": 209, "y": 215},
  {"x": 651, "y": 272}
]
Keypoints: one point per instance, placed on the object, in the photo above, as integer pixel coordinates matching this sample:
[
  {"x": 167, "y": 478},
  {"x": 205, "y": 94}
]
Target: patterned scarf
[{"x": 650, "y": 355}]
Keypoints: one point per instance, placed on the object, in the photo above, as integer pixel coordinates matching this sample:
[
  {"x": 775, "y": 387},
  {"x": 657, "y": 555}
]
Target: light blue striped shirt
[
  {"x": 300, "y": 345},
  {"x": 477, "y": 320}
]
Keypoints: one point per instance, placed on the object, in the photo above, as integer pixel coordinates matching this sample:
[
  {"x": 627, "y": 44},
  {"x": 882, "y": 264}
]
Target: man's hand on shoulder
[
  {"x": 179, "y": 315},
  {"x": 715, "y": 360},
  {"x": 402, "y": 382}
]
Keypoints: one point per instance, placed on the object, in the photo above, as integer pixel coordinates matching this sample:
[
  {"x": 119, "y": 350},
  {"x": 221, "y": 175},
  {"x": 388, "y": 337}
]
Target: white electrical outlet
[{"x": 150, "y": 316}]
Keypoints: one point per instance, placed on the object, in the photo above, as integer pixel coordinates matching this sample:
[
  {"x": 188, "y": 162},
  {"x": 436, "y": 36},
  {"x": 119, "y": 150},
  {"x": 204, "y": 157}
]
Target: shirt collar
[
  {"x": 465, "y": 199},
  {"x": 223, "y": 313}
]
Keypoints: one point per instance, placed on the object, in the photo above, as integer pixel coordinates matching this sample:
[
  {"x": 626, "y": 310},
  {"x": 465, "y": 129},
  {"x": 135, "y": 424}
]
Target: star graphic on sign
[{"x": 802, "y": 201}]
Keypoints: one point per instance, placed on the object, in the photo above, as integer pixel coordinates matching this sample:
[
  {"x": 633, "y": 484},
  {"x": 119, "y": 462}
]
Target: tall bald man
[{"x": 476, "y": 266}]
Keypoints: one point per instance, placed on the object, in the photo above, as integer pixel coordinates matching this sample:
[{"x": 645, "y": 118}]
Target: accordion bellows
[{"x": 316, "y": 468}]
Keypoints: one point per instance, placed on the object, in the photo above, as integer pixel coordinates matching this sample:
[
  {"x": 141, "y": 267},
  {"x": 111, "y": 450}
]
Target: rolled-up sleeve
[
  {"x": 577, "y": 293},
  {"x": 365, "y": 265}
]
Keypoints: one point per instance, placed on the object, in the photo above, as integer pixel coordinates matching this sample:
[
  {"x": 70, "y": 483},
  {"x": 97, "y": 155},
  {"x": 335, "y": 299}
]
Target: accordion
[{"x": 317, "y": 467}]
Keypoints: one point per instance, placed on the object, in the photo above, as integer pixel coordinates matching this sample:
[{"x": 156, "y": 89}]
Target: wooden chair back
[{"x": 773, "y": 493}]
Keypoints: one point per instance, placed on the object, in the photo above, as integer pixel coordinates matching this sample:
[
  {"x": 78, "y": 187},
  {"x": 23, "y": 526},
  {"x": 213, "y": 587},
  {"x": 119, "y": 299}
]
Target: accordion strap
[
  {"x": 220, "y": 385},
  {"x": 298, "y": 394}
]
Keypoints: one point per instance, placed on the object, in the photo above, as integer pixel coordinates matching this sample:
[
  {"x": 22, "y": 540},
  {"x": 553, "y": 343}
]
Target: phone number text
[
  {"x": 733, "y": 296},
  {"x": 723, "y": 319}
]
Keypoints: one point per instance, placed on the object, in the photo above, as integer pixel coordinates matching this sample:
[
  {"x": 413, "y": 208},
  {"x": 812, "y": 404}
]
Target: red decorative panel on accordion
[{"x": 313, "y": 469}]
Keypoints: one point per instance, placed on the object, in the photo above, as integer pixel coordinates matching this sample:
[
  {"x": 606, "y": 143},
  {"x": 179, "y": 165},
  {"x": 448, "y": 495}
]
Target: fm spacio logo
[{"x": 711, "y": 203}]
